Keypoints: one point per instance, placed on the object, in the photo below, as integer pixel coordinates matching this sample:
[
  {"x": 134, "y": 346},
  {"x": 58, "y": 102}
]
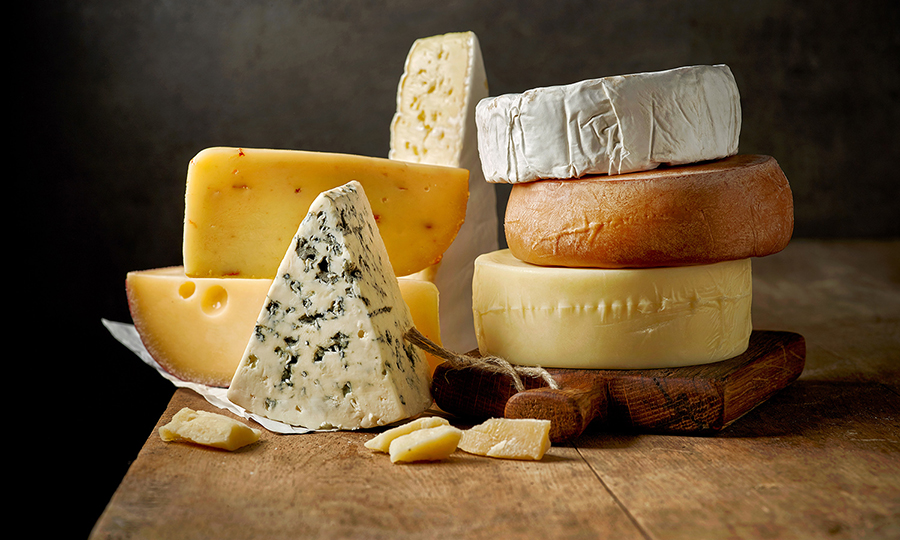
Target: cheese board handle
[{"x": 569, "y": 409}]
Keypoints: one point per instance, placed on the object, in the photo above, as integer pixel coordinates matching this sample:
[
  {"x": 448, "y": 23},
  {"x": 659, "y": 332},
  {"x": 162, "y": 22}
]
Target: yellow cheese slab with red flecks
[
  {"x": 197, "y": 328},
  {"x": 243, "y": 206}
]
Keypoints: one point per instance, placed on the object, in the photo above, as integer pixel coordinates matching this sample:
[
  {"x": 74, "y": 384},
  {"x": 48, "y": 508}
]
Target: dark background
[{"x": 120, "y": 94}]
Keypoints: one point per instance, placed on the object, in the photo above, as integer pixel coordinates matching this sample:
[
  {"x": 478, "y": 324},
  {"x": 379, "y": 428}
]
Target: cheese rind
[
  {"x": 610, "y": 125},
  {"x": 197, "y": 328},
  {"x": 242, "y": 205},
  {"x": 429, "y": 444},
  {"x": 443, "y": 80},
  {"x": 591, "y": 318},
  {"x": 508, "y": 438},
  {"x": 382, "y": 441},
  {"x": 733, "y": 208},
  {"x": 208, "y": 429},
  {"x": 328, "y": 349}
]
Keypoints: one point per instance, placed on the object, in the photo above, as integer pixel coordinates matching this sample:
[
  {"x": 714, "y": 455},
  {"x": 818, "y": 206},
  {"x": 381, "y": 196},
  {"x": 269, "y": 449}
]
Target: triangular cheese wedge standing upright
[
  {"x": 328, "y": 348},
  {"x": 443, "y": 80}
]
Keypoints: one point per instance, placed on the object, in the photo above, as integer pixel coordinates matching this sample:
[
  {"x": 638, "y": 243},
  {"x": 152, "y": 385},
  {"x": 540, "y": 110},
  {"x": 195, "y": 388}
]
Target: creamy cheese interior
[{"x": 443, "y": 80}]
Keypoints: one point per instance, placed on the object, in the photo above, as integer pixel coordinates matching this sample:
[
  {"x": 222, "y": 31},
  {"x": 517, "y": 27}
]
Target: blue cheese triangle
[{"x": 328, "y": 350}]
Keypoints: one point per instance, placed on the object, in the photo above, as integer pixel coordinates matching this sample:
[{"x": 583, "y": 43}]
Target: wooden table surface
[{"x": 821, "y": 459}]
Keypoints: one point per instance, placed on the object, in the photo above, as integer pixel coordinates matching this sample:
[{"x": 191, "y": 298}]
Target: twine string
[{"x": 493, "y": 364}]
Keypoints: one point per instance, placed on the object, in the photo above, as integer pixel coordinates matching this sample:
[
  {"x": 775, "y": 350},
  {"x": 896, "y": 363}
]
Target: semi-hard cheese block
[
  {"x": 427, "y": 444},
  {"x": 382, "y": 441},
  {"x": 197, "y": 328},
  {"x": 610, "y": 125},
  {"x": 594, "y": 318},
  {"x": 443, "y": 80},
  {"x": 208, "y": 429},
  {"x": 328, "y": 350},
  {"x": 242, "y": 205},
  {"x": 733, "y": 208},
  {"x": 508, "y": 438}
]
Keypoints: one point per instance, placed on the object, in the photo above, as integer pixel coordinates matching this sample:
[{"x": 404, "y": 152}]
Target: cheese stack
[
  {"x": 242, "y": 210},
  {"x": 631, "y": 222}
]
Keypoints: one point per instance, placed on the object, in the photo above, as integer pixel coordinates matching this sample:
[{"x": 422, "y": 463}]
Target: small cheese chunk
[
  {"x": 197, "y": 328},
  {"x": 508, "y": 438},
  {"x": 443, "y": 80},
  {"x": 382, "y": 441},
  {"x": 429, "y": 444},
  {"x": 593, "y": 318},
  {"x": 208, "y": 429},
  {"x": 328, "y": 350},
  {"x": 242, "y": 205},
  {"x": 610, "y": 125}
]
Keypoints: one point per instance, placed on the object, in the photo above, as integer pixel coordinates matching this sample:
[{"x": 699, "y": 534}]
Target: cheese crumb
[
  {"x": 508, "y": 438},
  {"x": 382, "y": 442},
  {"x": 208, "y": 429},
  {"x": 428, "y": 444}
]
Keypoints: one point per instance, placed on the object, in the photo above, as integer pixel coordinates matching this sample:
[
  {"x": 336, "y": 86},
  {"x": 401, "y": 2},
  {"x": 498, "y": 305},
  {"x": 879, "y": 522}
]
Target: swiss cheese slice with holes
[{"x": 197, "y": 328}]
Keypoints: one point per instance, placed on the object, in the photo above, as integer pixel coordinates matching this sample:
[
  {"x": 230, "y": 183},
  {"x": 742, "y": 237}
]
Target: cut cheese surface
[
  {"x": 195, "y": 328},
  {"x": 328, "y": 349},
  {"x": 508, "y": 438},
  {"x": 382, "y": 441},
  {"x": 428, "y": 444},
  {"x": 610, "y": 125},
  {"x": 208, "y": 429},
  {"x": 198, "y": 328},
  {"x": 611, "y": 318},
  {"x": 443, "y": 80},
  {"x": 242, "y": 206}
]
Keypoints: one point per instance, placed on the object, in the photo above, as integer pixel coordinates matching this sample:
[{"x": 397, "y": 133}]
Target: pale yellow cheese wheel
[{"x": 593, "y": 318}]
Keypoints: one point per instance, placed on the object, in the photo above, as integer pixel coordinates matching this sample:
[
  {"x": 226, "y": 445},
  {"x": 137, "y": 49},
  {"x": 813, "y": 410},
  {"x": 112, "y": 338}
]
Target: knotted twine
[{"x": 493, "y": 364}]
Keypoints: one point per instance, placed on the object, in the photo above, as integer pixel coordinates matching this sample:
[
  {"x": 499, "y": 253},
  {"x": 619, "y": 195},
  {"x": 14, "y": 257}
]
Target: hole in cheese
[
  {"x": 186, "y": 290},
  {"x": 215, "y": 300}
]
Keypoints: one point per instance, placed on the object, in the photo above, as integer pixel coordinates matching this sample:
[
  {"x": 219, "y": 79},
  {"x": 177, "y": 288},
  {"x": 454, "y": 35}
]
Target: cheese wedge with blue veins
[{"x": 328, "y": 349}]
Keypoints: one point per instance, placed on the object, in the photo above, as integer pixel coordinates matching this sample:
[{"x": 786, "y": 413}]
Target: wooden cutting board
[{"x": 694, "y": 399}]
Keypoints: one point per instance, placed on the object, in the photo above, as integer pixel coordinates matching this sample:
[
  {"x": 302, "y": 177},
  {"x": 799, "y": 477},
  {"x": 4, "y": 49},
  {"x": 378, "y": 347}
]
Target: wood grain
[{"x": 328, "y": 485}]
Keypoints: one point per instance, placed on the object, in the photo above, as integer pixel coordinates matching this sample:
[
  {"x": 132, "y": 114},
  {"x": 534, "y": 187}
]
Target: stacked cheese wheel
[{"x": 631, "y": 222}]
